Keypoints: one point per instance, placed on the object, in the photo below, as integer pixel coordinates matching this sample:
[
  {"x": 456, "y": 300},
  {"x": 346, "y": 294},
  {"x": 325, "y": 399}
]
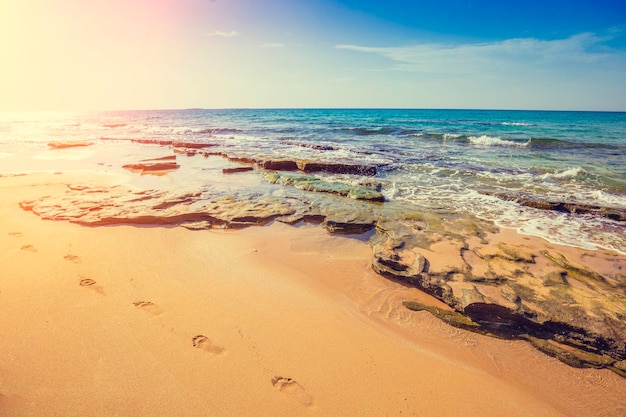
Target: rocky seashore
[{"x": 567, "y": 302}]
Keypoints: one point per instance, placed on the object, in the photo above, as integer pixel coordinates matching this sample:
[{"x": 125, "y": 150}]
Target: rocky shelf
[
  {"x": 573, "y": 207},
  {"x": 568, "y": 303}
]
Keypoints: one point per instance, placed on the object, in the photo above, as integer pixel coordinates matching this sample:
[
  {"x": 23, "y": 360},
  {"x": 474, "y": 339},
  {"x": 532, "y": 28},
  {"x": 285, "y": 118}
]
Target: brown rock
[
  {"x": 338, "y": 168},
  {"x": 74, "y": 144},
  {"x": 155, "y": 166},
  {"x": 280, "y": 165},
  {"x": 236, "y": 170}
]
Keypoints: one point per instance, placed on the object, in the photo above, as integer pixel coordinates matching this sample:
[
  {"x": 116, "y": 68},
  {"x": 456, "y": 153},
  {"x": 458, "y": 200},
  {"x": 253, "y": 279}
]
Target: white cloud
[
  {"x": 579, "y": 72},
  {"x": 273, "y": 45},
  {"x": 230, "y": 34},
  {"x": 497, "y": 57}
]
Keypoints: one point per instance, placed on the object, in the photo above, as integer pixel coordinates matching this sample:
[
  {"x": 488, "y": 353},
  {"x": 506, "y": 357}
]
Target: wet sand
[{"x": 275, "y": 320}]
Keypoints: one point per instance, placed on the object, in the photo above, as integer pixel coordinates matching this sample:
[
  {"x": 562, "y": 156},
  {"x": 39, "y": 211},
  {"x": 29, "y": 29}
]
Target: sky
[{"x": 75, "y": 55}]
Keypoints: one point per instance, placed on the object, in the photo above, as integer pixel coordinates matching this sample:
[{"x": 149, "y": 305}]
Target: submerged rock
[
  {"x": 311, "y": 183},
  {"x": 64, "y": 145},
  {"x": 338, "y": 168},
  {"x": 236, "y": 170},
  {"x": 573, "y": 207},
  {"x": 155, "y": 166}
]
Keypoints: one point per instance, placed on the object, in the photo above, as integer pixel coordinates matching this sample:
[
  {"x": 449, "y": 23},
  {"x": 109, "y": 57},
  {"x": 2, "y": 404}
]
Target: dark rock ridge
[
  {"x": 310, "y": 167},
  {"x": 156, "y": 166},
  {"x": 573, "y": 207},
  {"x": 236, "y": 170},
  {"x": 195, "y": 148}
]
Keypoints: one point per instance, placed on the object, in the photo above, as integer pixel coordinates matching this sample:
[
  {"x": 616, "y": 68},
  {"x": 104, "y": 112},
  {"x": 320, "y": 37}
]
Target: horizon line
[{"x": 308, "y": 108}]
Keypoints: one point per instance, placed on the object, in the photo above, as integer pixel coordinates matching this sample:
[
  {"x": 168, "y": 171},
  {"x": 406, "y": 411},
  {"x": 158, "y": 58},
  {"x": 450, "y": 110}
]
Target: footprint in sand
[
  {"x": 204, "y": 343},
  {"x": 149, "y": 307},
  {"x": 72, "y": 258},
  {"x": 293, "y": 389},
  {"x": 29, "y": 248},
  {"x": 88, "y": 282}
]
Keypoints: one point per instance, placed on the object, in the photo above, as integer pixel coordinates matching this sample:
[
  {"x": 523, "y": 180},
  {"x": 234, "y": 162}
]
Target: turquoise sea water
[{"x": 435, "y": 160}]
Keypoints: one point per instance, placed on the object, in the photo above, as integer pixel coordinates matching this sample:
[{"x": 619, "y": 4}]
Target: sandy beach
[{"x": 275, "y": 320}]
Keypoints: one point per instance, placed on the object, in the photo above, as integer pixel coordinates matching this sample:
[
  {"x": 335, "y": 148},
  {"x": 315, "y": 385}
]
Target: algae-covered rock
[
  {"x": 312, "y": 183},
  {"x": 514, "y": 296}
]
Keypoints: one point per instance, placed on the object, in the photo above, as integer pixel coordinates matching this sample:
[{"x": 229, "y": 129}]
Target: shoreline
[
  {"x": 266, "y": 320},
  {"x": 513, "y": 288}
]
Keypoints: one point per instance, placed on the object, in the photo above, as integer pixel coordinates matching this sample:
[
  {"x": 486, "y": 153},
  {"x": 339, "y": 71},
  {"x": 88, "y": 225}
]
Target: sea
[{"x": 476, "y": 163}]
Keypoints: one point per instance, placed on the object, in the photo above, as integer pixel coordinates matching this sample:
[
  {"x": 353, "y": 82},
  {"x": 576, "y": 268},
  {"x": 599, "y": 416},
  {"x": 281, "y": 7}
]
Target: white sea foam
[
  {"x": 485, "y": 140},
  {"x": 568, "y": 173},
  {"x": 515, "y": 124},
  {"x": 604, "y": 198},
  {"x": 561, "y": 228}
]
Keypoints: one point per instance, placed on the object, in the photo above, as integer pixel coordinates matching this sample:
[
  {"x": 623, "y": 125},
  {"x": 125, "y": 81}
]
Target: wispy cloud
[
  {"x": 273, "y": 45},
  {"x": 221, "y": 34},
  {"x": 513, "y": 54}
]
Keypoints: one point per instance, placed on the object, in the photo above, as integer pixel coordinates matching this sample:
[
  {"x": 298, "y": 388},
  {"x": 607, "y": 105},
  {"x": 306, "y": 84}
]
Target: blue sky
[{"x": 129, "y": 54}]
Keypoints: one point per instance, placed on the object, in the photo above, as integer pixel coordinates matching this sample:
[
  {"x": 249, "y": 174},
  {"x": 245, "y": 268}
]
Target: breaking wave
[{"x": 485, "y": 140}]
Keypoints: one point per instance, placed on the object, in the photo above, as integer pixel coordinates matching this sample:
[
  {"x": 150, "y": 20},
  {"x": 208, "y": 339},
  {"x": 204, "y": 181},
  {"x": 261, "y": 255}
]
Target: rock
[
  {"x": 152, "y": 168},
  {"x": 449, "y": 316},
  {"x": 348, "y": 227},
  {"x": 573, "y": 207},
  {"x": 576, "y": 270},
  {"x": 280, "y": 165},
  {"x": 236, "y": 170},
  {"x": 201, "y": 225},
  {"x": 239, "y": 159},
  {"x": 159, "y": 142},
  {"x": 554, "y": 278},
  {"x": 311, "y": 183},
  {"x": 72, "y": 144},
  {"x": 192, "y": 145},
  {"x": 338, "y": 168},
  {"x": 520, "y": 300},
  {"x": 155, "y": 166}
]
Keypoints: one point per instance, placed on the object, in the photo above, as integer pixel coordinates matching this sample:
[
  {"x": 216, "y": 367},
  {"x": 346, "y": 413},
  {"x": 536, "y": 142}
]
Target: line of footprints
[{"x": 282, "y": 384}]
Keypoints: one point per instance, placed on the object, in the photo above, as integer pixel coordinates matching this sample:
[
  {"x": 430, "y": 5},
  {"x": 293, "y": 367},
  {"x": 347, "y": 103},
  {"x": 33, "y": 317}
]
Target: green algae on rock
[{"x": 312, "y": 183}]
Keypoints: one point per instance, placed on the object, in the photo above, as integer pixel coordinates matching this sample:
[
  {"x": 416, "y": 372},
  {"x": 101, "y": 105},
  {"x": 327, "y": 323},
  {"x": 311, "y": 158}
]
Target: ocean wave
[
  {"x": 485, "y": 140},
  {"x": 315, "y": 146},
  {"x": 363, "y": 131},
  {"x": 602, "y": 197},
  {"x": 568, "y": 173},
  {"x": 503, "y": 124},
  {"x": 439, "y": 136},
  {"x": 515, "y": 124},
  {"x": 383, "y": 130},
  {"x": 544, "y": 143},
  {"x": 218, "y": 131}
]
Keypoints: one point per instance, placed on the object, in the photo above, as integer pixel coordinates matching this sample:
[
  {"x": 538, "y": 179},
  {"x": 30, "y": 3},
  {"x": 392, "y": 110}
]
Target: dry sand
[{"x": 271, "y": 321}]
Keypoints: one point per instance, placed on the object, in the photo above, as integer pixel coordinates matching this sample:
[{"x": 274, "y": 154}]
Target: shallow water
[{"x": 442, "y": 161}]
